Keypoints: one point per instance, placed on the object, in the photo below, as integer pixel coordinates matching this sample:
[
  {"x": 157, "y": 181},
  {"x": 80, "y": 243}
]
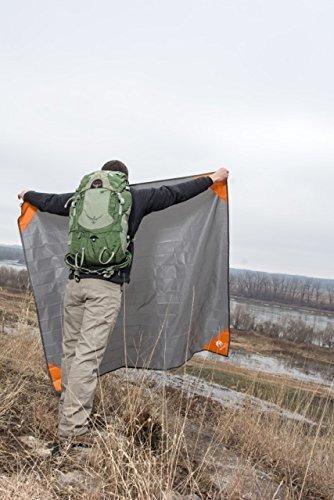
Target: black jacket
[{"x": 144, "y": 201}]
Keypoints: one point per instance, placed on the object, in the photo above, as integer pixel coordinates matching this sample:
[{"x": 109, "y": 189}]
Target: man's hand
[
  {"x": 21, "y": 195},
  {"x": 219, "y": 175}
]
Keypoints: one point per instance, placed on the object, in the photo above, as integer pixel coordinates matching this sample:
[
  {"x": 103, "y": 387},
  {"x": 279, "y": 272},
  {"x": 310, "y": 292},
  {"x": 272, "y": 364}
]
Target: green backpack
[{"x": 98, "y": 227}]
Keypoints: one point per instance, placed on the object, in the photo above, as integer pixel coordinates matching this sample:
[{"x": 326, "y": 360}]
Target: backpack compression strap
[{"x": 106, "y": 272}]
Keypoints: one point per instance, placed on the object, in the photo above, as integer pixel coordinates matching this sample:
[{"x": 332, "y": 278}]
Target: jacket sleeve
[
  {"x": 51, "y": 203},
  {"x": 155, "y": 199}
]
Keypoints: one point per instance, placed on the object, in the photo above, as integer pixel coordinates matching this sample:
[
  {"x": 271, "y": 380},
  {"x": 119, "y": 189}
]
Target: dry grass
[
  {"x": 299, "y": 456},
  {"x": 156, "y": 442}
]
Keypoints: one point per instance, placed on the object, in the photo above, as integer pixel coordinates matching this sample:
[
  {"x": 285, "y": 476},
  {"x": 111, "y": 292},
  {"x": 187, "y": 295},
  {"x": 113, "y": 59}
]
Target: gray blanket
[{"x": 177, "y": 302}]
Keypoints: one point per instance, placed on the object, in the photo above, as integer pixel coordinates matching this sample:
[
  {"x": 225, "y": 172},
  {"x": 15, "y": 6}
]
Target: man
[{"x": 92, "y": 302}]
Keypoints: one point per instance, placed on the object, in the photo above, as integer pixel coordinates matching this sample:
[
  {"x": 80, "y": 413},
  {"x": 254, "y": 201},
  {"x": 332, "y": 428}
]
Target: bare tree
[{"x": 299, "y": 291}]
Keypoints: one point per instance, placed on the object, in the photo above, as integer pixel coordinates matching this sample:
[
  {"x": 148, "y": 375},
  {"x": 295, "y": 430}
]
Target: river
[
  {"x": 14, "y": 264},
  {"x": 274, "y": 313}
]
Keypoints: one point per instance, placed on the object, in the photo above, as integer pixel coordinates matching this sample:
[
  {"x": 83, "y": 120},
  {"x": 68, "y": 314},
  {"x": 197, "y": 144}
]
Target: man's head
[{"x": 116, "y": 166}]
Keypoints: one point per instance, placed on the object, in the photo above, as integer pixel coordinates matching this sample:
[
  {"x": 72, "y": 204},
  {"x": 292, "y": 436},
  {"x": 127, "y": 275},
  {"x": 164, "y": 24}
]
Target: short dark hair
[{"x": 116, "y": 166}]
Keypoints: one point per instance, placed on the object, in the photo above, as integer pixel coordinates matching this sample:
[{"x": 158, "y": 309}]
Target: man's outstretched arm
[
  {"x": 165, "y": 196},
  {"x": 47, "y": 202}
]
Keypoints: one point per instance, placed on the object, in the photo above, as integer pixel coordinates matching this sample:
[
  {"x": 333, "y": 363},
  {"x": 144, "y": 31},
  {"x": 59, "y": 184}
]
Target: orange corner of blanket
[
  {"x": 55, "y": 374},
  {"x": 218, "y": 187},
  {"x": 27, "y": 214},
  {"x": 220, "y": 343}
]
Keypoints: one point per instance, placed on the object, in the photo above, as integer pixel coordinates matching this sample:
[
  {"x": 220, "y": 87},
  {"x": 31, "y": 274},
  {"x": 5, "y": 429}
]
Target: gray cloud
[{"x": 179, "y": 88}]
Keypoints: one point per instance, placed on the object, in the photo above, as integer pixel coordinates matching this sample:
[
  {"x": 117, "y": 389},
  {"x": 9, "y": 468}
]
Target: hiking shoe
[{"x": 86, "y": 440}]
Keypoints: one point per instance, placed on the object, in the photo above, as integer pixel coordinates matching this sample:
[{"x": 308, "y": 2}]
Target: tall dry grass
[
  {"x": 300, "y": 456},
  {"x": 153, "y": 444}
]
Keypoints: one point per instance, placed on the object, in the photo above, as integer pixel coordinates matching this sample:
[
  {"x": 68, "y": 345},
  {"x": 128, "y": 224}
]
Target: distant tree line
[
  {"x": 292, "y": 290},
  {"x": 14, "y": 279}
]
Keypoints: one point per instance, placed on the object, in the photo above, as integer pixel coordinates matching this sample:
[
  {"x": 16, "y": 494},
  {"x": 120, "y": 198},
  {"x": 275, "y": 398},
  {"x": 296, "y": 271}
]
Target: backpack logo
[
  {"x": 97, "y": 183},
  {"x": 93, "y": 219}
]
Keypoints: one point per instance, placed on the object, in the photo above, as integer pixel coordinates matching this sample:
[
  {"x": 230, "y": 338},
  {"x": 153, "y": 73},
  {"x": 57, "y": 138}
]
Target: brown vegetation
[
  {"x": 295, "y": 330},
  {"x": 157, "y": 443},
  {"x": 14, "y": 279},
  {"x": 16, "y": 308}
]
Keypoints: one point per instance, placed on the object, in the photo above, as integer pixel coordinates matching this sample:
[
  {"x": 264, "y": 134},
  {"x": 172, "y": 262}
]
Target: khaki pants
[{"x": 90, "y": 310}]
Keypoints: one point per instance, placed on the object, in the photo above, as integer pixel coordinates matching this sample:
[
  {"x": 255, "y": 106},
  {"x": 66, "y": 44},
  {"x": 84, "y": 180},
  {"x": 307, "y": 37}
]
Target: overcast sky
[{"x": 178, "y": 88}]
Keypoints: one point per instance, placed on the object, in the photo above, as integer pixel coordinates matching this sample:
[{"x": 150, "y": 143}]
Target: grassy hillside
[{"x": 162, "y": 442}]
